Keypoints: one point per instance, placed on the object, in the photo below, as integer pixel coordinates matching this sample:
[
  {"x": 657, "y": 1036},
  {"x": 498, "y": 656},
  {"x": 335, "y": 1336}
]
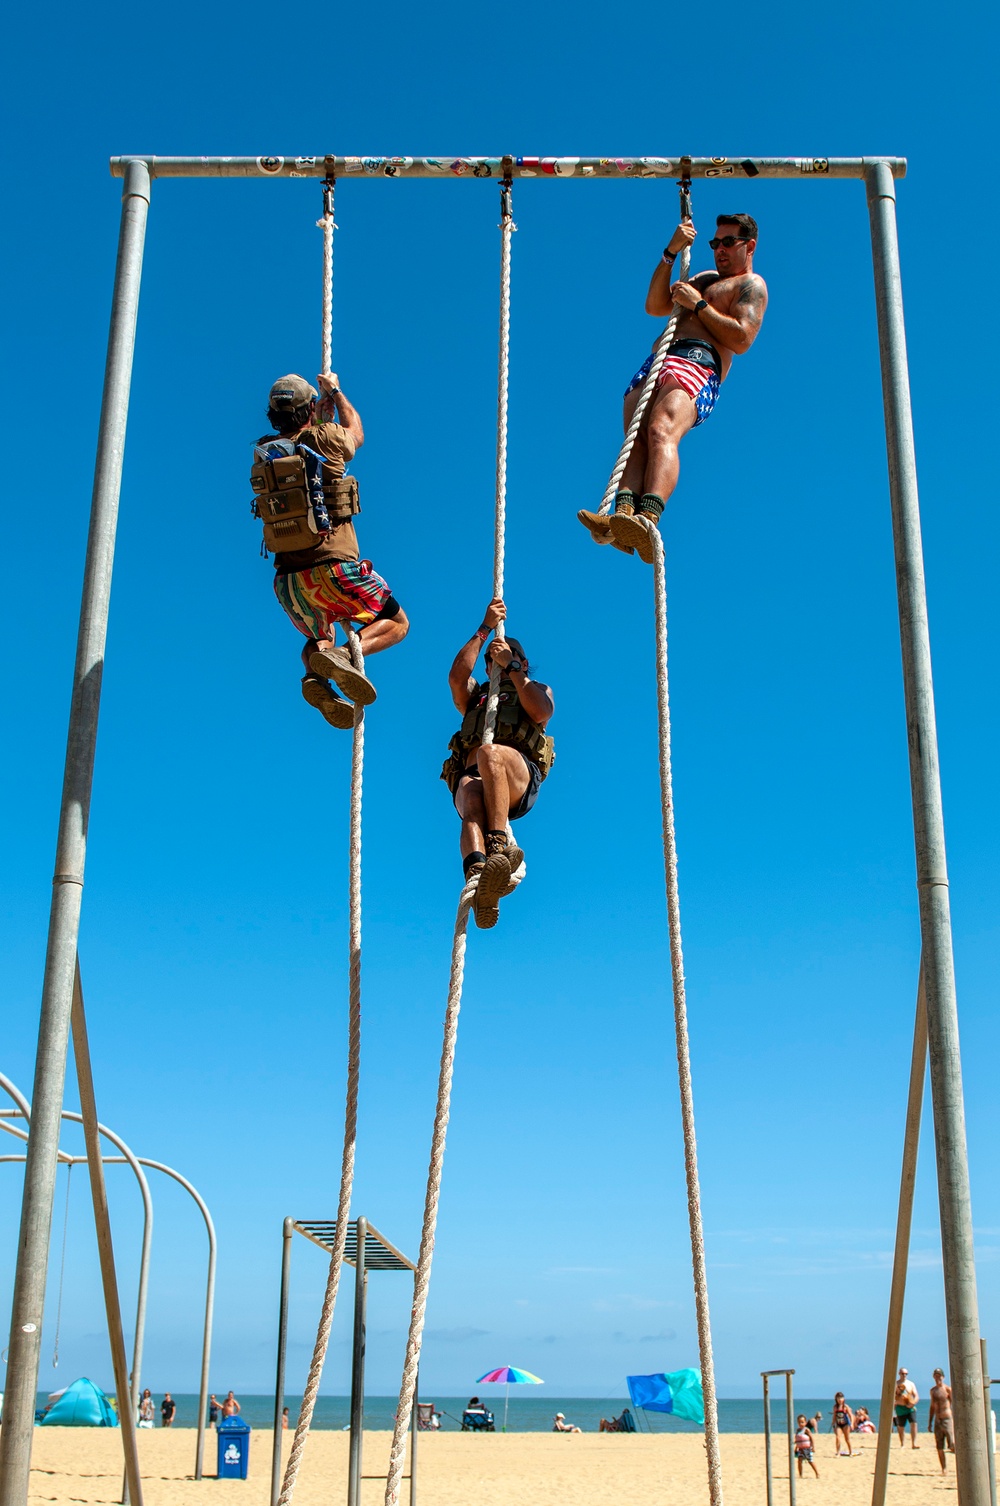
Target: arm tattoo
[{"x": 748, "y": 292}]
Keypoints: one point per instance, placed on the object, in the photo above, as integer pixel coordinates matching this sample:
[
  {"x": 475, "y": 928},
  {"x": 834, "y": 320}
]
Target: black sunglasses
[{"x": 727, "y": 241}]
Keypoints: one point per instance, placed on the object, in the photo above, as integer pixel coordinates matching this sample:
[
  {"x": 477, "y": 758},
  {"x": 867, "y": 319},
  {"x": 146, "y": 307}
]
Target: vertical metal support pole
[
  {"x": 987, "y": 1409},
  {"x": 358, "y": 1369},
  {"x": 102, "y": 1220},
  {"x": 790, "y": 1425},
  {"x": 64, "y": 916},
  {"x": 767, "y": 1439},
  {"x": 414, "y": 1429},
  {"x": 904, "y": 1217},
  {"x": 287, "y": 1234},
  {"x": 206, "y": 1348},
  {"x": 961, "y": 1304}
]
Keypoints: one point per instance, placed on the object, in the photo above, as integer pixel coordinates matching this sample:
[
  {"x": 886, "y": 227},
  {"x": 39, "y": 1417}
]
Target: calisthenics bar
[
  {"x": 516, "y": 167},
  {"x": 938, "y": 977}
]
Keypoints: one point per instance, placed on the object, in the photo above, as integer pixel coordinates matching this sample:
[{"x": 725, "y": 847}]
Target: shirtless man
[
  {"x": 940, "y": 1418},
  {"x": 720, "y": 315},
  {"x": 907, "y": 1397}
]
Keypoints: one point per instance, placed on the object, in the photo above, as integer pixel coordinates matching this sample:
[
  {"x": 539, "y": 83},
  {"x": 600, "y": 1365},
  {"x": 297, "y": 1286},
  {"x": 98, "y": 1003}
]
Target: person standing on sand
[
  {"x": 168, "y": 1411},
  {"x": 230, "y": 1407},
  {"x": 213, "y": 1410},
  {"x": 843, "y": 1421},
  {"x": 284, "y": 1418},
  {"x": 907, "y": 1397},
  {"x": 804, "y": 1444},
  {"x": 940, "y": 1418}
]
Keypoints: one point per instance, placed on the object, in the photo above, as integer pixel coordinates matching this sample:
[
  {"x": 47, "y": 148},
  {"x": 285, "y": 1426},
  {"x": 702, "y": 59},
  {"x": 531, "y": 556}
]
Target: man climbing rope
[
  {"x": 719, "y": 315},
  {"x": 498, "y": 782},
  {"x": 307, "y": 505}
]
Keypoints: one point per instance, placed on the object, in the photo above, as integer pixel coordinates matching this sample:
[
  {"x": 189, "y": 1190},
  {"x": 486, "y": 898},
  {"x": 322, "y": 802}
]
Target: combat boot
[
  {"x": 334, "y": 663},
  {"x": 635, "y": 531},
  {"x": 318, "y": 693}
]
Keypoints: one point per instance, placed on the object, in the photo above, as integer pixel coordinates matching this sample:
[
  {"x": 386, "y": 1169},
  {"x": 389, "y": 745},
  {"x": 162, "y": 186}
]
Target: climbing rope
[
  {"x": 674, "y": 907},
  {"x": 421, "y": 1280},
  {"x": 649, "y": 386},
  {"x": 304, "y": 1423},
  {"x": 62, "y": 1270},
  {"x": 507, "y": 228},
  {"x": 681, "y": 1035}
]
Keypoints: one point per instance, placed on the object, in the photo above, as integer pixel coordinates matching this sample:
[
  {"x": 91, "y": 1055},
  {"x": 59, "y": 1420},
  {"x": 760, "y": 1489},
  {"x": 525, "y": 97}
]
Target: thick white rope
[
  {"x": 421, "y": 1280},
  {"x": 681, "y": 1034},
  {"x": 507, "y": 228},
  {"x": 314, "y": 1377},
  {"x": 649, "y": 387}
]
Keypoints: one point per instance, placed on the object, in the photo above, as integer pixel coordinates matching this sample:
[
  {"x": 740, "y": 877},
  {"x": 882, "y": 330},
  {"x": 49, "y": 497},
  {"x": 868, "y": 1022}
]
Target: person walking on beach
[
  {"x": 230, "y": 1407},
  {"x": 905, "y": 1411},
  {"x": 843, "y": 1421},
  {"x": 168, "y": 1411},
  {"x": 307, "y": 506},
  {"x": 499, "y": 783},
  {"x": 940, "y": 1418},
  {"x": 146, "y": 1409},
  {"x": 804, "y": 1445},
  {"x": 213, "y": 1410}
]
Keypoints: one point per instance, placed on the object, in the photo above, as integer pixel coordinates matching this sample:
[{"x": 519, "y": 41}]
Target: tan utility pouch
[
  {"x": 283, "y": 503},
  {"x": 342, "y": 499}
]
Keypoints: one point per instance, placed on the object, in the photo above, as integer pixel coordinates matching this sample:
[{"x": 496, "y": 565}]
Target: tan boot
[
  {"x": 334, "y": 664},
  {"x": 318, "y": 693},
  {"x": 634, "y": 531},
  {"x": 598, "y": 523}
]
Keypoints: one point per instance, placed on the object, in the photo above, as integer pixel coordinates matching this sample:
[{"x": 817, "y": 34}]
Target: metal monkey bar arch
[{"x": 937, "y": 969}]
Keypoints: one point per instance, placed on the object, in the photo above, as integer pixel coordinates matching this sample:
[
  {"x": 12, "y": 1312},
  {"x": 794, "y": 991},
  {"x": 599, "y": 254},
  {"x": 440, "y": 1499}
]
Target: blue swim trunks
[{"x": 699, "y": 381}]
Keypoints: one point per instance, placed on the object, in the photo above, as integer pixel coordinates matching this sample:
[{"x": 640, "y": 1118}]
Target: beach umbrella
[
  {"x": 510, "y": 1376},
  {"x": 678, "y": 1392}
]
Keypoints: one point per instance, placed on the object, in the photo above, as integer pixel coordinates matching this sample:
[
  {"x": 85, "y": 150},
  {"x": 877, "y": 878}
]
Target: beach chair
[
  {"x": 428, "y": 1418},
  {"x": 623, "y": 1424},
  {"x": 479, "y": 1420}
]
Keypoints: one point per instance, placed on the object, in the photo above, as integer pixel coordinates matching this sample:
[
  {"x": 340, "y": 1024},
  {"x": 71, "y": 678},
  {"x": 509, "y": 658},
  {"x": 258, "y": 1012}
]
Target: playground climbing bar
[
  {"x": 444, "y": 168},
  {"x": 879, "y": 174}
]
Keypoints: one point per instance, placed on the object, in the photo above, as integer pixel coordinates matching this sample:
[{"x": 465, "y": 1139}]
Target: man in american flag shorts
[{"x": 720, "y": 314}]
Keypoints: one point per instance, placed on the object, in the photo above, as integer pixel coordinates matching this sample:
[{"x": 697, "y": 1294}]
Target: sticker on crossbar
[
  {"x": 750, "y": 168},
  {"x": 814, "y": 165},
  {"x": 270, "y": 164}
]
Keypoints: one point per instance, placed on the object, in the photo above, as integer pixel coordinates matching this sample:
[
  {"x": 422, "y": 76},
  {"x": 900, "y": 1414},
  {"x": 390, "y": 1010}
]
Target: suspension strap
[
  {"x": 302, "y": 1427},
  {"x": 659, "y": 356}
]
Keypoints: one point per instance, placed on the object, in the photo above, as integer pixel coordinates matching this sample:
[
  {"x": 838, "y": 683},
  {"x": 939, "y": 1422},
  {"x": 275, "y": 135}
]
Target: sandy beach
[{"x": 84, "y": 1465}]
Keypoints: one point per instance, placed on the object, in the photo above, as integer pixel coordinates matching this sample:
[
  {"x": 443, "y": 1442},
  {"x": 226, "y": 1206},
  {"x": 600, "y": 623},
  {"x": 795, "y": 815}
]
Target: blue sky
[{"x": 214, "y": 929}]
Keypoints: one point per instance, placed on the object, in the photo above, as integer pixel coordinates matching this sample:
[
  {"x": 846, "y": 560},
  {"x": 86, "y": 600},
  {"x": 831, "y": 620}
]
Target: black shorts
[{"x": 529, "y": 797}]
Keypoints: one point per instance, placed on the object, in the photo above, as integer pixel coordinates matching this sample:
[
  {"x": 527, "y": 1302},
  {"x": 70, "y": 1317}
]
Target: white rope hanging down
[
  {"x": 421, "y": 1280},
  {"x": 649, "y": 387},
  {"x": 681, "y": 1034},
  {"x": 304, "y": 1423},
  {"x": 507, "y": 228}
]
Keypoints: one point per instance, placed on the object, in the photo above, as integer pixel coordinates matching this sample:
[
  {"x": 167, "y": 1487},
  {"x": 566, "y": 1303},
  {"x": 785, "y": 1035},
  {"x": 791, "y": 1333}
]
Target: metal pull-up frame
[{"x": 878, "y": 174}]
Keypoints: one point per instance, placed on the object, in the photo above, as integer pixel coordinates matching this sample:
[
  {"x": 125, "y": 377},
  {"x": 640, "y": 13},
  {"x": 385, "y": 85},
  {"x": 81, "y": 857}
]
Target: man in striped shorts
[
  {"x": 720, "y": 314},
  {"x": 329, "y": 582}
]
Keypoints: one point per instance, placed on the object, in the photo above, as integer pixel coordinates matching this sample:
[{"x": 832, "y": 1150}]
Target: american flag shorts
[{"x": 697, "y": 381}]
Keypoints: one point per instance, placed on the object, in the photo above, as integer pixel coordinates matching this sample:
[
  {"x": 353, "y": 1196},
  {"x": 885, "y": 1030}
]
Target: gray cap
[{"x": 291, "y": 392}]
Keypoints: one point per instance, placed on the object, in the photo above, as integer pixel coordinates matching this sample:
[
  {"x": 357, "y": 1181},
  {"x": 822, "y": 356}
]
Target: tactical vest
[
  {"x": 296, "y": 495},
  {"x": 514, "y": 729}
]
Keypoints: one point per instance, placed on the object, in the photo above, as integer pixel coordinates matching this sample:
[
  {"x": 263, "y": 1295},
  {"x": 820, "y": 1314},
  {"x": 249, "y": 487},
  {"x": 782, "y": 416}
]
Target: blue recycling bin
[{"x": 233, "y": 1438}]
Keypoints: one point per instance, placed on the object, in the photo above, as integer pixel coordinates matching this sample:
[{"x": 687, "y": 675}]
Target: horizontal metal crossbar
[
  {"x": 445, "y": 168},
  {"x": 380, "y": 1255}
]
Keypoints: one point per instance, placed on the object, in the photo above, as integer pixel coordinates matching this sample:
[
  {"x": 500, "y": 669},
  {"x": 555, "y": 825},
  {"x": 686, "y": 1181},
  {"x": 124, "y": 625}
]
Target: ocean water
[{"x": 527, "y": 1414}]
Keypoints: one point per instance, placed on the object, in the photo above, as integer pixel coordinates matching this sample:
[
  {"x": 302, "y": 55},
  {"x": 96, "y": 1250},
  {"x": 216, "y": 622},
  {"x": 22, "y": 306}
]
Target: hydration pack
[
  {"x": 296, "y": 495},
  {"x": 514, "y": 728}
]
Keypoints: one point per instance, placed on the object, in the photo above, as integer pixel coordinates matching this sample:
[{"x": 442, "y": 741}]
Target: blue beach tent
[
  {"x": 679, "y": 1393},
  {"x": 81, "y": 1405}
]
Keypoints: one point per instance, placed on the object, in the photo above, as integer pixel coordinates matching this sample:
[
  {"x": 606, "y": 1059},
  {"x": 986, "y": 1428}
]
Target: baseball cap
[{"x": 291, "y": 392}]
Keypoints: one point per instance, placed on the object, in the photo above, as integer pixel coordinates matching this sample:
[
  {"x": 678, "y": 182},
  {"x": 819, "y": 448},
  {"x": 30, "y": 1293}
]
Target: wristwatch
[
  {"x": 516, "y": 664},
  {"x": 701, "y": 304}
]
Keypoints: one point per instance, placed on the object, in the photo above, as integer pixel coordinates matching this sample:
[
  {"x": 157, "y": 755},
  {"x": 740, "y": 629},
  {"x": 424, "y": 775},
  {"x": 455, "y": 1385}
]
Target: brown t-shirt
[{"x": 333, "y": 442}]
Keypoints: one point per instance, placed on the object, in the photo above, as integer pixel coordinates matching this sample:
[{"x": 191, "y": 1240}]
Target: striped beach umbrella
[{"x": 509, "y": 1375}]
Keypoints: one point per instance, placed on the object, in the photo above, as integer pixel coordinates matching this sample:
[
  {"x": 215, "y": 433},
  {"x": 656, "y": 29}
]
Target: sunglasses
[{"x": 727, "y": 241}]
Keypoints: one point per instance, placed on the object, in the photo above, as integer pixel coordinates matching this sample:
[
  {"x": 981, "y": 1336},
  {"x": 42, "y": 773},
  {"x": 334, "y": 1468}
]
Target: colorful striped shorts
[
  {"x": 338, "y": 591},
  {"x": 698, "y": 382}
]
